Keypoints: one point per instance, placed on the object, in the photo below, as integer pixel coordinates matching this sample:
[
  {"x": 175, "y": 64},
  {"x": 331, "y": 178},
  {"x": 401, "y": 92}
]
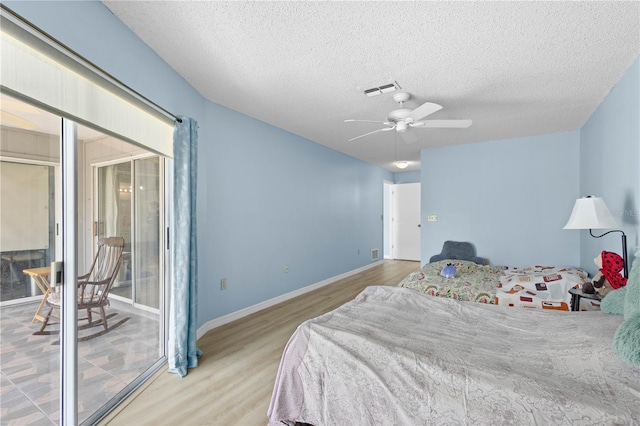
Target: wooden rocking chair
[{"x": 94, "y": 287}]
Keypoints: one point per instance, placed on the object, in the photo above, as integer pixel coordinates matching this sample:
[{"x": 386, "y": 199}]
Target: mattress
[{"x": 394, "y": 356}]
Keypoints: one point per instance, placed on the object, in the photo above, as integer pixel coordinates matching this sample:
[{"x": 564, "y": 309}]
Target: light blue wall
[
  {"x": 266, "y": 198},
  {"x": 294, "y": 203},
  {"x": 480, "y": 200},
  {"x": 509, "y": 197},
  {"x": 407, "y": 177},
  {"x": 610, "y": 164}
]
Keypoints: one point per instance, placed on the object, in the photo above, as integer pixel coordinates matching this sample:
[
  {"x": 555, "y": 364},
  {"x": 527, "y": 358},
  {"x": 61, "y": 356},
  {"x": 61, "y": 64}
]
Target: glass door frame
[{"x": 69, "y": 258}]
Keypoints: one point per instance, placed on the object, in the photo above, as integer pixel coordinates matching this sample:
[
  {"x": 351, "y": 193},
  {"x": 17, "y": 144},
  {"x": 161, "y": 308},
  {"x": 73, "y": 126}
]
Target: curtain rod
[{"x": 70, "y": 53}]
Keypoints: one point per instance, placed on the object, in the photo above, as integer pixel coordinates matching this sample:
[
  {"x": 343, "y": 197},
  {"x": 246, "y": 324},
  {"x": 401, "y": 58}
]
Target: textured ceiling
[{"x": 514, "y": 68}]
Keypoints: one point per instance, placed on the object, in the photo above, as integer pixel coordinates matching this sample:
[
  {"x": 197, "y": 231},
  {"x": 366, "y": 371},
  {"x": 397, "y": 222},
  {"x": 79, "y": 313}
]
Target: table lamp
[{"x": 592, "y": 213}]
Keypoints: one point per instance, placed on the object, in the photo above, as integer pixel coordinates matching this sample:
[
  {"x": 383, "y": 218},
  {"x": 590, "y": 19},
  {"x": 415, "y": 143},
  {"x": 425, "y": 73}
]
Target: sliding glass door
[
  {"x": 30, "y": 238},
  {"x": 60, "y": 363},
  {"x": 71, "y": 351},
  {"x": 122, "y": 188},
  {"x": 128, "y": 201}
]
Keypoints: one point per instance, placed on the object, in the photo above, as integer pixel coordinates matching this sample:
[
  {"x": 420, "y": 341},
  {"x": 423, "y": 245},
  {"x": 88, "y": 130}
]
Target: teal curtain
[{"x": 183, "y": 352}]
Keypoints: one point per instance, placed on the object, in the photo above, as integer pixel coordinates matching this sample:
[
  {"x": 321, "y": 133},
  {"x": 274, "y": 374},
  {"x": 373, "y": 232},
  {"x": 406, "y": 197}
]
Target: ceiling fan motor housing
[
  {"x": 401, "y": 97},
  {"x": 398, "y": 115}
]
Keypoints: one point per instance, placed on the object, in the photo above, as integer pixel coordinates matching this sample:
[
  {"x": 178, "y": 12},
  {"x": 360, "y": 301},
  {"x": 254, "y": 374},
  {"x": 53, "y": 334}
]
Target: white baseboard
[{"x": 217, "y": 322}]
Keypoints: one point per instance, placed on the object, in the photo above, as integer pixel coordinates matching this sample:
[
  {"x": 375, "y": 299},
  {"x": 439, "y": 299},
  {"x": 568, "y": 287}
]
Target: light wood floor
[{"x": 235, "y": 376}]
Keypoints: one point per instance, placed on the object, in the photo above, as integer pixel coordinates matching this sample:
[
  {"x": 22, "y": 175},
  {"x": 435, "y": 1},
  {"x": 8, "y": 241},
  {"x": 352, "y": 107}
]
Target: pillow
[
  {"x": 613, "y": 302},
  {"x": 626, "y": 301},
  {"x": 458, "y": 250},
  {"x": 626, "y": 342}
]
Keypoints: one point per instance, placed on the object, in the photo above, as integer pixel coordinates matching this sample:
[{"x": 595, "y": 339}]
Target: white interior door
[{"x": 406, "y": 221}]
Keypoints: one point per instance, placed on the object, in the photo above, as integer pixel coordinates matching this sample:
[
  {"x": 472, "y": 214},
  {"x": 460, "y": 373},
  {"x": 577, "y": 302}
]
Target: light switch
[{"x": 432, "y": 218}]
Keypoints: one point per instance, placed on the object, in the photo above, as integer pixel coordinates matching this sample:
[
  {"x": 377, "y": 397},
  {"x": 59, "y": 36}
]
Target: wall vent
[{"x": 375, "y": 254}]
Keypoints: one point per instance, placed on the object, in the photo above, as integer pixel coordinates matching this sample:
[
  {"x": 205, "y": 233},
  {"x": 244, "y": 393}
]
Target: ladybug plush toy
[{"x": 609, "y": 278}]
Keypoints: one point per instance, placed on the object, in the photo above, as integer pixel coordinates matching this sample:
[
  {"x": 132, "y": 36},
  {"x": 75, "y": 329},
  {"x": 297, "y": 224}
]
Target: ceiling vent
[{"x": 385, "y": 88}]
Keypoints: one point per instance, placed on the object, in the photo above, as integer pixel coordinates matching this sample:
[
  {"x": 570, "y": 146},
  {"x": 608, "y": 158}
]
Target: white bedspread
[{"x": 394, "y": 356}]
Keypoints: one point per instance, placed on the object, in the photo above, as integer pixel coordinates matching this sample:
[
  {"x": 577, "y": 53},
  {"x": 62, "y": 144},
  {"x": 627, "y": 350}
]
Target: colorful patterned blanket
[{"x": 544, "y": 287}]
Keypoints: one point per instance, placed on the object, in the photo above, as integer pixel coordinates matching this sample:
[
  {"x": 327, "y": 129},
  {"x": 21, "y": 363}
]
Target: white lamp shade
[
  {"x": 591, "y": 213},
  {"x": 402, "y": 164}
]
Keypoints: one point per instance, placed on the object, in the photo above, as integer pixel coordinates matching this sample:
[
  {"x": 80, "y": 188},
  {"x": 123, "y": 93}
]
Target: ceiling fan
[{"x": 403, "y": 119}]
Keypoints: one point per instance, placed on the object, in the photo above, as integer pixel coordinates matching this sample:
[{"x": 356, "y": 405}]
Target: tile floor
[{"x": 29, "y": 364}]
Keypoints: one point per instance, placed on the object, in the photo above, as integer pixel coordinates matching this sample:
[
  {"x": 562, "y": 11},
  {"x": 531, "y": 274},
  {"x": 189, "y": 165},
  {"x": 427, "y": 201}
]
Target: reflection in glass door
[
  {"x": 114, "y": 217},
  {"x": 146, "y": 227},
  {"x": 128, "y": 205}
]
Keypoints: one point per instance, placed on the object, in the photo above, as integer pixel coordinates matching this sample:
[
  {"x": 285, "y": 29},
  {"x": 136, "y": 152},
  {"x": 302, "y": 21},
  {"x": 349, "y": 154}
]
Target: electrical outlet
[
  {"x": 432, "y": 218},
  {"x": 286, "y": 268},
  {"x": 223, "y": 284}
]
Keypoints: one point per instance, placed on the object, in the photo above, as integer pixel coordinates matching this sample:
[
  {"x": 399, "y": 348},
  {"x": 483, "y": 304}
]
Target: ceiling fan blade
[
  {"x": 408, "y": 136},
  {"x": 452, "y": 124},
  {"x": 423, "y": 110},
  {"x": 368, "y": 121},
  {"x": 386, "y": 129}
]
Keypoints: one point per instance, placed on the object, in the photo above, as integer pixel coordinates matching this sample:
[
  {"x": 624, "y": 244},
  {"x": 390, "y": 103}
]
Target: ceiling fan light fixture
[
  {"x": 401, "y": 126},
  {"x": 401, "y": 164}
]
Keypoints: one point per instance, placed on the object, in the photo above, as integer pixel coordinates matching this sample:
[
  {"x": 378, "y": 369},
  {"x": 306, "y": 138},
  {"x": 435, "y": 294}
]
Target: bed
[
  {"x": 472, "y": 282},
  {"x": 395, "y": 356},
  {"x": 537, "y": 286}
]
